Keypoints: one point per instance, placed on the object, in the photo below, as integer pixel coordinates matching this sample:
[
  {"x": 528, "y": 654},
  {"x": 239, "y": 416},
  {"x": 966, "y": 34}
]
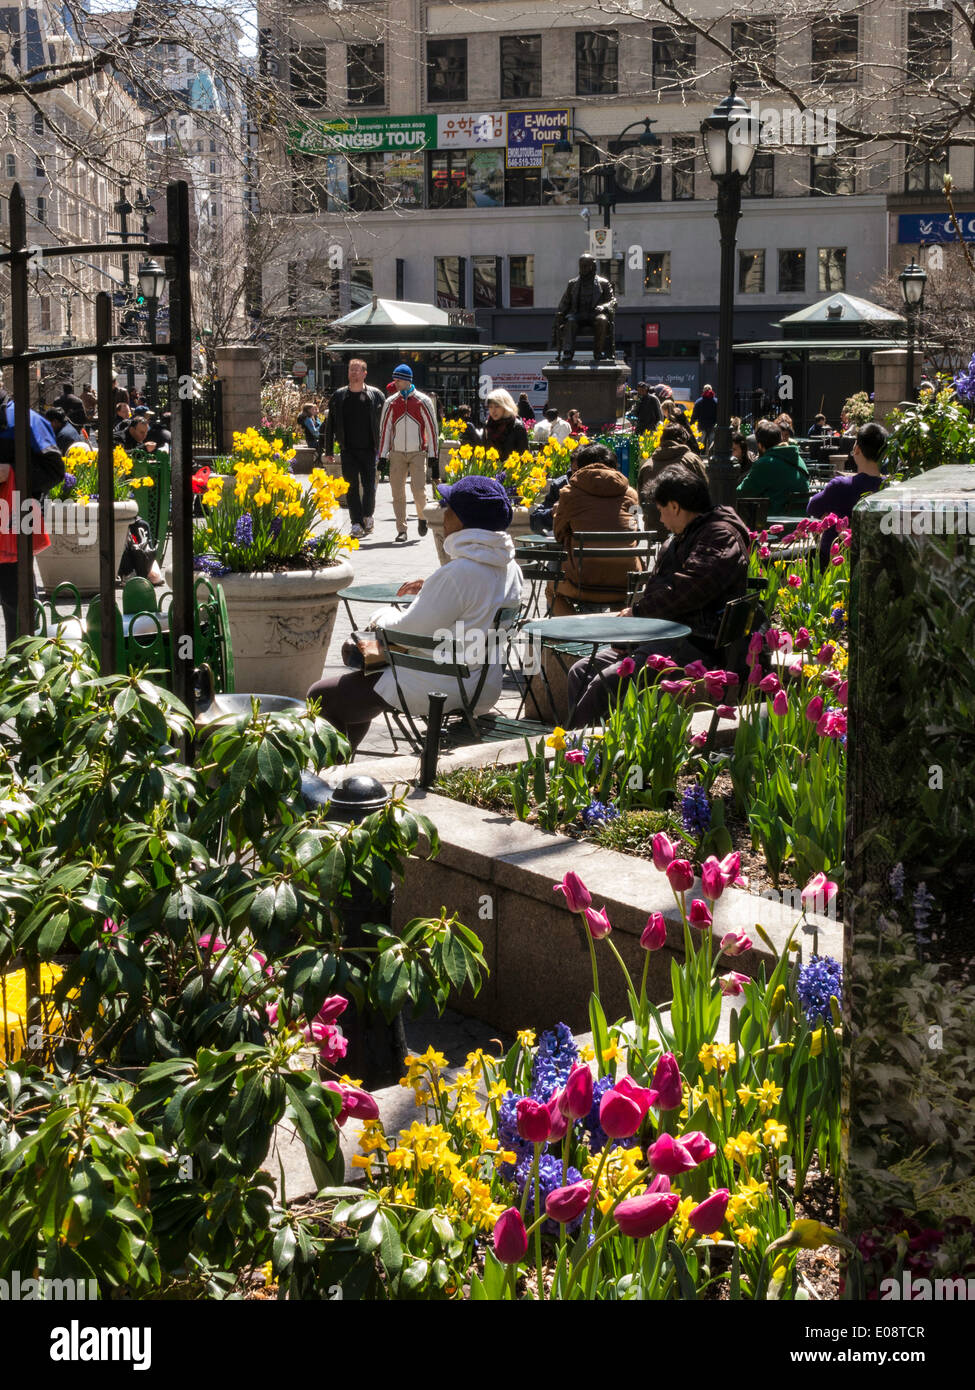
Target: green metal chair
[
  {"x": 154, "y": 502},
  {"x": 93, "y": 630}
]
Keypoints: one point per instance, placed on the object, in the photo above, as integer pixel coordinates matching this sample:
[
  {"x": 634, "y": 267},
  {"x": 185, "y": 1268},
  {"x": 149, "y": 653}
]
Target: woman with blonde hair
[{"x": 504, "y": 430}]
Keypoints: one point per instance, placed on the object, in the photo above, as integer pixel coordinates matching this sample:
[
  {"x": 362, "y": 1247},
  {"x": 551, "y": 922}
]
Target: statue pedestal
[{"x": 595, "y": 389}]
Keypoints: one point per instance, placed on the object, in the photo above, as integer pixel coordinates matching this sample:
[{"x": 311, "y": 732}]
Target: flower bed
[{"x": 524, "y": 476}]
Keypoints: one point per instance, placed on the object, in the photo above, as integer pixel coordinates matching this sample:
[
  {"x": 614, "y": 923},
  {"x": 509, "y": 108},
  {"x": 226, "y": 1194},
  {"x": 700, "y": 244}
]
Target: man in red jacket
[{"x": 701, "y": 568}]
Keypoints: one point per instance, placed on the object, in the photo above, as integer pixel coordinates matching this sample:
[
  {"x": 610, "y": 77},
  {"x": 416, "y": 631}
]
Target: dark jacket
[
  {"x": 540, "y": 516},
  {"x": 705, "y": 413},
  {"x": 312, "y": 428},
  {"x": 508, "y": 435},
  {"x": 72, "y": 407},
  {"x": 698, "y": 572},
  {"x": 775, "y": 474},
  {"x": 67, "y": 435},
  {"x": 646, "y": 413},
  {"x": 334, "y": 425},
  {"x": 597, "y": 498}
]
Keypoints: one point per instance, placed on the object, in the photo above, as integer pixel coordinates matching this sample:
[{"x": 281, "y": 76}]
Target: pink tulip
[
  {"x": 708, "y": 1216},
  {"x": 654, "y": 934},
  {"x": 819, "y": 889},
  {"x": 680, "y": 875},
  {"x": 642, "y": 1096},
  {"x": 698, "y": 1145},
  {"x": 754, "y": 675},
  {"x": 356, "y": 1104},
  {"x": 794, "y": 582},
  {"x": 695, "y": 670},
  {"x": 814, "y": 709},
  {"x": 825, "y": 653},
  {"x": 712, "y": 879},
  {"x": 627, "y": 666},
  {"x": 669, "y": 1157},
  {"x": 802, "y": 640},
  {"x": 565, "y": 1204},
  {"x": 776, "y": 530},
  {"x": 332, "y": 1009},
  {"x": 558, "y": 1124},
  {"x": 755, "y": 644},
  {"x": 663, "y": 849},
  {"x": 730, "y": 867},
  {"x": 661, "y": 1183},
  {"x": 780, "y": 705},
  {"x": 770, "y": 685},
  {"x": 699, "y": 916},
  {"x": 676, "y": 687},
  {"x": 764, "y": 552},
  {"x": 733, "y": 983},
  {"x": 577, "y": 895},
  {"x": 727, "y": 711},
  {"x": 842, "y": 692},
  {"x": 510, "y": 1237},
  {"x": 831, "y": 679},
  {"x": 642, "y": 1216},
  {"x": 534, "y": 1122},
  {"x": 598, "y": 923},
  {"x": 333, "y": 1046},
  {"x": 667, "y": 1088},
  {"x": 656, "y": 662},
  {"x": 735, "y": 943},
  {"x": 698, "y": 740},
  {"x": 575, "y": 755},
  {"x": 619, "y": 1116},
  {"x": 774, "y": 639},
  {"x": 575, "y": 1101},
  {"x": 714, "y": 684}
]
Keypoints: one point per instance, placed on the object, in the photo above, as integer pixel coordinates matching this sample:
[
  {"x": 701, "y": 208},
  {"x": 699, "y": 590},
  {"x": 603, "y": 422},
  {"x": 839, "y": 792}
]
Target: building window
[
  {"x": 761, "y": 176},
  {"x": 446, "y": 69},
  {"x": 683, "y": 150},
  {"x": 792, "y": 272},
  {"x": 928, "y": 43},
  {"x": 486, "y": 281},
  {"x": 613, "y": 271},
  {"x": 831, "y": 177},
  {"x": 522, "y": 188},
  {"x": 521, "y": 281},
  {"x": 39, "y": 170},
  {"x": 835, "y": 46},
  {"x": 11, "y": 166},
  {"x": 753, "y": 46},
  {"x": 366, "y": 74},
  {"x": 521, "y": 67},
  {"x": 45, "y": 313},
  {"x": 927, "y": 176},
  {"x": 448, "y": 179},
  {"x": 360, "y": 283},
  {"x": 674, "y": 55},
  {"x": 213, "y": 146},
  {"x": 485, "y": 179},
  {"x": 751, "y": 272},
  {"x": 656, "y": 272},
  {"x": 213, "y": 166},
  {"x": 366, "y": 182},
  {"x": 38, "y": 123},
  {"x": 597, "y": 63},
  {"x": 308, "y": 76},
  {"x": 450, "y": 272},
  {"x": 42, "y": 209},
  {"x": 832, "y": 269}
]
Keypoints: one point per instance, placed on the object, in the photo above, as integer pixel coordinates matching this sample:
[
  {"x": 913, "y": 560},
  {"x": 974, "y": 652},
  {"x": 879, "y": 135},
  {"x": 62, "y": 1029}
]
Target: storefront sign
[
  {"x": 651, "y": 335},
  {"x": 471, "y": 130},
  {"x": 460, "y": 318},
  {"x": 919, "y": 226},
  {"x": 602, "y": 243},
  {"x": 364, "y": 135},
  {"x": 529, "y": 132}
]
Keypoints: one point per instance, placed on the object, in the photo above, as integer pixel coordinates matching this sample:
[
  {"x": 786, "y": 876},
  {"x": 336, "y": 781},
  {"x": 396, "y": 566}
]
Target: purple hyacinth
[
  {"x": 964, "y": 383},
  {"x": 599, "y": 813},
  {"x": 206, "y": 565},
  {"x": 549, "y": 1179},
  {"x": 555, "y": 1057},
  {"x": 276, "y": 524},
  {"x": 70, "y": 481},
  {"x": 244, "y": 530},
  {"x": 695, "y": 810},
  {"x": 818, "y": 982}
]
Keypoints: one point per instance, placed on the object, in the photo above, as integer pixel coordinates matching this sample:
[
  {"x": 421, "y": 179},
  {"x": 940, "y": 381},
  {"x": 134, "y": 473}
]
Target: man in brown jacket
[
  {"x": 676, "y": 447},
  {"x": 597, "y": 498}
]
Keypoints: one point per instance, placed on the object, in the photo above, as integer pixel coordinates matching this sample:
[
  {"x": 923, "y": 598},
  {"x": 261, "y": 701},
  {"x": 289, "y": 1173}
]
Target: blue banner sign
[
  {"x": 528, "y": 134},
  {"x": 916, "y": 227}
]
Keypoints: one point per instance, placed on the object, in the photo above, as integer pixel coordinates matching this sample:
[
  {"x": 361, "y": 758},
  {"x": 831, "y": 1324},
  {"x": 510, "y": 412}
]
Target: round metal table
[{"x": 373, "y": 593}]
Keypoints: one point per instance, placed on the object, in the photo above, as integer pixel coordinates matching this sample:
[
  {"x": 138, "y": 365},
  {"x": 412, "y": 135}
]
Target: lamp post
[
  {"x": 152, "y": 280},
  {"x": 730, "y": 140},
  {"x": 912, "y": 279},
  {"x": 629, "y": 170}
]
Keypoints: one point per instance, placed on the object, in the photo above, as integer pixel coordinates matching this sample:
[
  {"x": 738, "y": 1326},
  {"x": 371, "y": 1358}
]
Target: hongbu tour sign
[
  {"x": 365, "y": 135},
  {"x": 528, "y": 134}
]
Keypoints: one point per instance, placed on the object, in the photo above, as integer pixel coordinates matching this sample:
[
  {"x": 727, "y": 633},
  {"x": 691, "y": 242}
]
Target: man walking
[
  {"x": 705, "y": 414},
  {"x": 408, "y": 437},
  {"x": 646, "y": 413},
  {"x": 353, "y": 424}
]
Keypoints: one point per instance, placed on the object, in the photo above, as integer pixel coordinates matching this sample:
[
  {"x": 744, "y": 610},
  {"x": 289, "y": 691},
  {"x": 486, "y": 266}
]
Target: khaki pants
[{"x": 401, "y": 464}]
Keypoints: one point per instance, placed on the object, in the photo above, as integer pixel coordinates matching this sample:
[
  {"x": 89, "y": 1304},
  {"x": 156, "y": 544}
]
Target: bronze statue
[{"x": 588, "y": 302}]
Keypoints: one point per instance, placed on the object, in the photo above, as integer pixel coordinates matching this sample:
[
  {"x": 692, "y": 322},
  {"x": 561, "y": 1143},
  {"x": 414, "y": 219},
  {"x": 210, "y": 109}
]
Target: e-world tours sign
[{"x": 364, "y": 135}]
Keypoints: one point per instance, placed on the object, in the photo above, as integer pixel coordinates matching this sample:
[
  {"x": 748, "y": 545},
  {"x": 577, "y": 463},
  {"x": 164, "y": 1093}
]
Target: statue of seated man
[{"x": 588, "y": 303}]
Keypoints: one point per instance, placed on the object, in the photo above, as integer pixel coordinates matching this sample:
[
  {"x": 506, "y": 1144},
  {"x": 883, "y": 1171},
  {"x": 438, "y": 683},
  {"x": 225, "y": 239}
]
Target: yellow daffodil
[
  {"x": 774, "y": 1134},
  {"x": 556, "y": 739},
  {"x": 769, "y": 1096},
  {"x": 746, "y": 1236},
  {"x": 526, "y": 1037}
]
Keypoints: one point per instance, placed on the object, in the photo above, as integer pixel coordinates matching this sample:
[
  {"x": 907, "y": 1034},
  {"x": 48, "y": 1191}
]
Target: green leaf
[{"x": 414, "y": 1275}]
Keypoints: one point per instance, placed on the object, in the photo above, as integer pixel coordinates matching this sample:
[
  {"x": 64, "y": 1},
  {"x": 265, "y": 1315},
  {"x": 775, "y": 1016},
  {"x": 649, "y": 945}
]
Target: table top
[
  {"x": 535, "y": 539},
  {"x": 375, "y": 593},
  {"x": 607, "y": 628}
]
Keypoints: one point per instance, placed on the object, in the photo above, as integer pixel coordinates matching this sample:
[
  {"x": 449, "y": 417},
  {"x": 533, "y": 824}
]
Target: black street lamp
[
  {"x": 152, "y": 282},
  {"x": 627, "y": 171},
  {"x": 730, "y": 141},
  {"x": 913, "y": 279}
]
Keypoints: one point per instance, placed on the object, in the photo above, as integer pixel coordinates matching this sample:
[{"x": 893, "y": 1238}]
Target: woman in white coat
[{"x": 460, "y": 599}]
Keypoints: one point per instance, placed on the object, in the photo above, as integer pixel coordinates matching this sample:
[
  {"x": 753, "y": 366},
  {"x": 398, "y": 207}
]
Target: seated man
[
  {"x": 702, "y": 567},
  {"x": 460, "y": 598},
  {"x": 842, "y": 493},
  {"x": 598, "y": 498},
  {"x": 65, "y": 432},
  {"x": 778, "y": 471}
]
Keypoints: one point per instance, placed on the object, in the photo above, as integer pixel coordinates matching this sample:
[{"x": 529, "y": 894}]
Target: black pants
[
  {"x": 589, "y": 702},
  {"x": 8, "y": 599},
  {"x": 359, "y": 471},
  {"x": 350, "y": 703}
]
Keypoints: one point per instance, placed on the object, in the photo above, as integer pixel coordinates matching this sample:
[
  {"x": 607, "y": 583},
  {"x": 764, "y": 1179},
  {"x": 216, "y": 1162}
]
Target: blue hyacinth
[
  {"x": 244, "y": 530},
  {"x": 819, "y": 981},
  {"x": 205, "y": 565},
  {"x": 557, "y": 1054},
  {"x": 695, "y": 810},
  {"x": 276, "y": 524},
  {"x": 549, "y": 1179},
  {"x": 598, "y": 1138},
  {"x": 964, "y": 382},
  {"x": 599, "y": 813}
]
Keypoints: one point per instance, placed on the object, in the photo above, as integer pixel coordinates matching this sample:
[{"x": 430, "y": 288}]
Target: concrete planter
[
  {"x": 73, "y": 552},
  {"x": 433, "y": 515},
  {"x": 280, "y": 626},
  {"x": 446, "y": 448}
]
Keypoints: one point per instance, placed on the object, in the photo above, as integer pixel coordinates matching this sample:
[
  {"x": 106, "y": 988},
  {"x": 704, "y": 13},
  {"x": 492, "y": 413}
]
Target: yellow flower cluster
[
  {"x": 13, "y": 1009},
  {"x": 326, "y": 491},
  {"x": 422, "y": 1073},
  {"x": 652, "y": 439},
  {"x": 622, "y": 1168},
  {"x": 136, "y": 483},
  {"x": 250, "y": 446},
  {"x": 767, "y": 1094},
  {"x": 717, "y": 1055}
]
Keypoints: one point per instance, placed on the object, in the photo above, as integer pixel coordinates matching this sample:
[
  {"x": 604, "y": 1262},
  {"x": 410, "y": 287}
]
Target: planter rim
[
  {"x": 92, "y": 506},
  {"x": 341, "y": 571}
]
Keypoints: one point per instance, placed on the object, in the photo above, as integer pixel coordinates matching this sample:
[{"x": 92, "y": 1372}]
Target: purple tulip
[
  {"x": 654, "y": 933},
  {"x": 663, "y": 849},
  {"x": 510, "y": 1237},
  {"x": 680, "y": 875},
  {"x": 577, "y": 895}
]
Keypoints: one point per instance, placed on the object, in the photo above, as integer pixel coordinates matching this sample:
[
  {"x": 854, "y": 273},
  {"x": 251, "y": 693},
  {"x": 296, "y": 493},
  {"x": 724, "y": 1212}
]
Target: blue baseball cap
[
  {"x": 404, "y": 371},
  {"x": 481, "y": 503}
]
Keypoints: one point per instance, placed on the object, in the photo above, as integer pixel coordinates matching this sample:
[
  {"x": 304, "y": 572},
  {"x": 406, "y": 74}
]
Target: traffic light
[{"x": 140, "y": 300}]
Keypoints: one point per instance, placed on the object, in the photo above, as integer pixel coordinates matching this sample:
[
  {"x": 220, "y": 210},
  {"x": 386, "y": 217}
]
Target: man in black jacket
[
  {"x": 353, "y": 424},
  {"x": 72, "y": 405},
  {"x": 646, "y": 412}
]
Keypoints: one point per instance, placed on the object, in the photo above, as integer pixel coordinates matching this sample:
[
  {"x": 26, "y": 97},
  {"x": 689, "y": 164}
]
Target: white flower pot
[
  {"x": 433, "y": 515},
  {"x": 280, "y": 626},
  {"x": 73, "y": 553}
]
